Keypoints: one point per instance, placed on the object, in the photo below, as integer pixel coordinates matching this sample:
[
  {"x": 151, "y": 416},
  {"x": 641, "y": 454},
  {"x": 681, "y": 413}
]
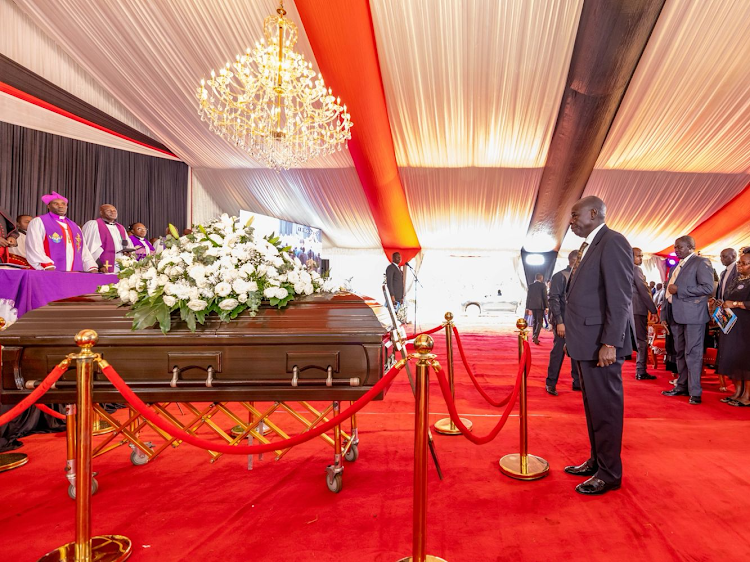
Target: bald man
[
  {"x": 598, "y": 336},
  {"x": 106, "y": 239}
]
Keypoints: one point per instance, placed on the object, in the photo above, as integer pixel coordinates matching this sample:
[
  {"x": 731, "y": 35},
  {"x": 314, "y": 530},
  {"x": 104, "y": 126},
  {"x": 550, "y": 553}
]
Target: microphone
[{"x": 409, "y": 266}]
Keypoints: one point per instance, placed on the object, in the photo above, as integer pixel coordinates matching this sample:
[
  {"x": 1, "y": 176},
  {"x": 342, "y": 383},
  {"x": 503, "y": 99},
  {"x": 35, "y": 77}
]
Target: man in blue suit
[
  {"x": 686, "y": 303},
  {"x": 598, "y": 336}
]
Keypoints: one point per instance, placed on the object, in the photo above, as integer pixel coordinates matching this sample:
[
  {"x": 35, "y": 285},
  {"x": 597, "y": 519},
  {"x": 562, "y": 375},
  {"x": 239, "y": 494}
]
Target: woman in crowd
[{"x": 734, "y": 360}]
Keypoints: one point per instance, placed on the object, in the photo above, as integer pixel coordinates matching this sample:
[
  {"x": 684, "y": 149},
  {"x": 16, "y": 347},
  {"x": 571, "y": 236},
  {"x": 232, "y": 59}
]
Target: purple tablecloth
[{"x": 27, "y": 289}]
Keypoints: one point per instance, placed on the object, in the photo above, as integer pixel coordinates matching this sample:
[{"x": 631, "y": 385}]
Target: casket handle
[
  {"x": 210, "y": 377},
  {"x": 175, "y": 375},
  {"x": 329, "y": 379},
  {"x": 295, "y": 375}
]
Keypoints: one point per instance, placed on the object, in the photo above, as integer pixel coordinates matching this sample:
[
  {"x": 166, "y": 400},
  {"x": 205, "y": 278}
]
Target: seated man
[
  {"x": 142, "y": 245},
  {"x": 106, "y": 239},
  {"x": 55, "y": 242}
]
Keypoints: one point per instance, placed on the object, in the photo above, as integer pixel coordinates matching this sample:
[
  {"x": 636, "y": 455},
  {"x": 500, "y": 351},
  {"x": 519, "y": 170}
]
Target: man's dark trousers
[
  {"x": 538, "y": 316},
  {"x": 556, "y": 358},
  {"x": 603, "y": 397}
]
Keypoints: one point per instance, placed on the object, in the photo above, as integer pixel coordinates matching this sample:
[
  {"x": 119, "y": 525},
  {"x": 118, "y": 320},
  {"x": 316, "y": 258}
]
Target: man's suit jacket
[
  {"x": 642, "y": 301},
  {"x": 556, "y": 300},
  {"x": 731, "y": 271},
  {"x": 600, "y": 291},
  {"x": 537, "y": 296},
  {"x": 695, "y": 283},
  {"x": 395, "y": 281}
]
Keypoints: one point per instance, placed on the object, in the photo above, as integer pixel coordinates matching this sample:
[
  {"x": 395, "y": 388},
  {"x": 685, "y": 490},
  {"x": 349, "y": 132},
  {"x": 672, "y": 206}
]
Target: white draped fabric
[
  {"x": 24, "y": 42},
  {"x": 476, "y": 82},
  {"x": 329, "y": 199},
  {"x": 652, "y": 209}
]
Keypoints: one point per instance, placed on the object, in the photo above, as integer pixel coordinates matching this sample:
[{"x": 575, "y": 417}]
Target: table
[{"x": 24, "y": 290}]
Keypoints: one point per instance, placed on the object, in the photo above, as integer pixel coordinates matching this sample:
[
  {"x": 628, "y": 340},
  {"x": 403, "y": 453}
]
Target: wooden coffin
[{"x": 321, "y": 347}]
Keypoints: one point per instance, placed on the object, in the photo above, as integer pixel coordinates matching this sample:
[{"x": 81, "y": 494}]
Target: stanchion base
[
  {"x": 510, "y": 465},
  {"x": 100, "y": 427},
  {"x": 104, "y": 548},
  {"x": 446, "y": 427},
  {"x": 9, "y": 461},
  {"x": 428, "y": 558}
]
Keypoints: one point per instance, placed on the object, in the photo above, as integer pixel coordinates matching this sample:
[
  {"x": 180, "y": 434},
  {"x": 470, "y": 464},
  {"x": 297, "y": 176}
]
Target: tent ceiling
[{"x": 473, "y": 90}]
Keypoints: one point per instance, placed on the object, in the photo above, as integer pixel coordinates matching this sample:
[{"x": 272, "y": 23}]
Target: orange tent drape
[{"x": 343, "y": 40}]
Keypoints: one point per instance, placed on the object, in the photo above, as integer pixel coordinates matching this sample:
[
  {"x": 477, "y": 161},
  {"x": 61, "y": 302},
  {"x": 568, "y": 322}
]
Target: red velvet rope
[
  {"x": 481, "y": 391},
  {"x": 159, "y": 422},
  {"x": 523, "y": 368},
  {"x": 428, "y": 332},
  {"x": 50, "y": 411},
  {"x": 37, "y": 393}
]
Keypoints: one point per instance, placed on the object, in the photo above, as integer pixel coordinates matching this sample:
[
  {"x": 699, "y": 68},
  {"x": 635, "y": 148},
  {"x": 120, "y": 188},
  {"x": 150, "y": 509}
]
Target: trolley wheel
[
  {"x": 72, "y": 489},
  {"x": 138, "y": 458},
  {"x": 353, "y": 453},
  {"x": 336, "y": 483}
]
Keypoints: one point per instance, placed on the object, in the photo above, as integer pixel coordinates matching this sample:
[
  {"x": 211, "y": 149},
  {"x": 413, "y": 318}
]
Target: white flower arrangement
[{"x": 220, "y": 268}]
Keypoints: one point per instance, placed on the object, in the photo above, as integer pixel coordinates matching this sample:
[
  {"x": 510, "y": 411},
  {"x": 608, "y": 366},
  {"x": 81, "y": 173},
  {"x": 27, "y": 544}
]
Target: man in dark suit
[
  {"x": 689, "y": 286},
  {"x": 598, "y": 336},
  {"x": 536, "y": 304},
  {"x": 557, "y": 318},
  {"x": 394, "y": 278},
  {"x": 729, "y": 260},
  {"x": 643, "y": 303}
]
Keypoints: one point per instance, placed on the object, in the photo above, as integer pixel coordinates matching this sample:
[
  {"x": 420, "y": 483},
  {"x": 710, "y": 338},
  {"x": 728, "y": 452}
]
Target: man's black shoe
[
  {"x": 537, "y": 342},
  {"x": 694, "y": 400},
  {"x": 674, "y": 392},
  {"x": 551, "y": 390},
  {"x": 577, "y": 388},
  {"x": 645, "y": 377},
  {"x": 585, "y": 469},
  {"x": 596, "y": 487}
]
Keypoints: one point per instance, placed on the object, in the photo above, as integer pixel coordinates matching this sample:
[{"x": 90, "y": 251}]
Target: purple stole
[
  {"x": 55, "y": 246},
  {"x": 139, "y": 253},
  {"x": 108, "y": 246}
]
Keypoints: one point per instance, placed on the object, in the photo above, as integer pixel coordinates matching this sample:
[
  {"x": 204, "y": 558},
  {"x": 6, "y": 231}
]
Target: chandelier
[{"x": 272, "y": 104}]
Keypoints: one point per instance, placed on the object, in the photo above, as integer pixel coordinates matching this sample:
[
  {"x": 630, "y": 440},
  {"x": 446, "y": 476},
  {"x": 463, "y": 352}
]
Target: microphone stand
[{"x": 416, "y": 283}]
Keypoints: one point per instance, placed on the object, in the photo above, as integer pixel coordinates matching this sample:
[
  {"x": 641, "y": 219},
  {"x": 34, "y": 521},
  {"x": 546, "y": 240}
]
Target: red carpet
[{"x": 684, "y": 493}]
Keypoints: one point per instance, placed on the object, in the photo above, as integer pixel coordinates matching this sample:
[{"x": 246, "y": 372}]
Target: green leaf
[
  {"x": 190, "y": 320},
  {"x": 164, "y": 317}
]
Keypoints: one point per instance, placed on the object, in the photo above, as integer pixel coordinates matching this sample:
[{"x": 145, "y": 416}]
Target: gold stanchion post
[
  {"x": 523, "y": 466},
  {"x": 423, "y": 344},
  {"x": 446, "y": 426},
  {"x": 105, "y": 548}
]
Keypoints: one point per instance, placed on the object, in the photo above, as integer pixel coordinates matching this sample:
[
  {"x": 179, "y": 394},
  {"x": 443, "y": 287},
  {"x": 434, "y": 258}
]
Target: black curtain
[{"x": 144, "y": 189}]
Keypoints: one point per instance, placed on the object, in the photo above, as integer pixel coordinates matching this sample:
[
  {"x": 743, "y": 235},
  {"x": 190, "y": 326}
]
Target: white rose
[
  {"x": 269, "y": 292},
  {"x": 247, "y": 270},
  {"x": 169, "y": 301},
  {"x": 196, "y": 271},
  {"x": 252, "y": 287},
  {"x": 228, "y": 304},
  {"x": 242, "y": 297},
  {"x": 223, "y": 289},
  {"x": 197, "y": 305},
  {"x": 309, "y": 290},
  {"x": 133, "y": 296},
  {"x": 162, "y": 280},
  {"x": 187, "y": 257},
  {"x": 281, "y": 292}
]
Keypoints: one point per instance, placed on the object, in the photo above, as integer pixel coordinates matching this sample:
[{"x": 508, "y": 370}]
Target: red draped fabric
[
  {"x": 343, "y": 40},
  {"x": 722, "y": 223}
]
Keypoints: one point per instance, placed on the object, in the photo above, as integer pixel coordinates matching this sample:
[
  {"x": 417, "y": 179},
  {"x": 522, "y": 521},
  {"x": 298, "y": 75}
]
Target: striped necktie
[{"x": 578, "y": 259}]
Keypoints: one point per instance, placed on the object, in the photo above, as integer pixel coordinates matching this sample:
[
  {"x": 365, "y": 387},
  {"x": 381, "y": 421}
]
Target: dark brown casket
[{"x": 321, "y": 347}]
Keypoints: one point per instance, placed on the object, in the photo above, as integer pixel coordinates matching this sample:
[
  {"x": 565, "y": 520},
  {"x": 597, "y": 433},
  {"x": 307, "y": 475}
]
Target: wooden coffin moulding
[{"x": 320, "y": 347}]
